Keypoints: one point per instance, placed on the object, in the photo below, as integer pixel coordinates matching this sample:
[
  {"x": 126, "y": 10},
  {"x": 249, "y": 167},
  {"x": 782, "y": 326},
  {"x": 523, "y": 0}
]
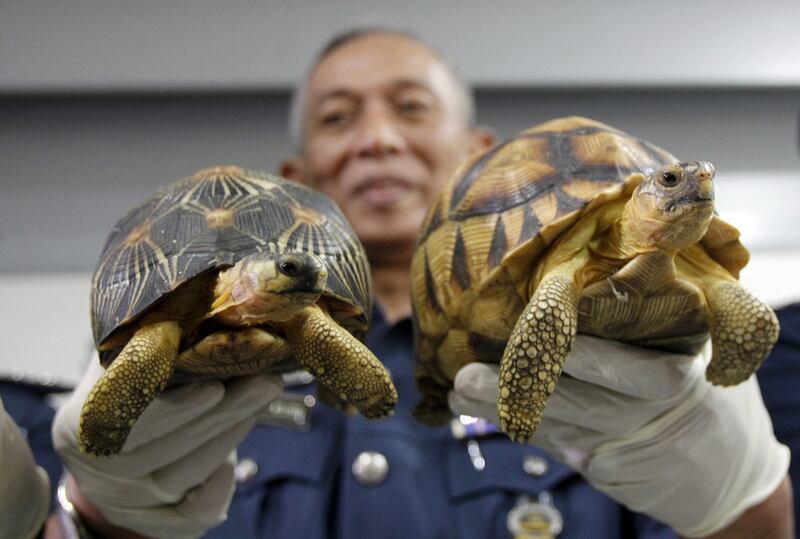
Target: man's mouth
[{"x": 382, "y": 190}]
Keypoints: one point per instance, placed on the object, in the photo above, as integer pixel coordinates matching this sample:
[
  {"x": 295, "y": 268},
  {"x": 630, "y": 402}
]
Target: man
[{"x": 380, "y": 123}]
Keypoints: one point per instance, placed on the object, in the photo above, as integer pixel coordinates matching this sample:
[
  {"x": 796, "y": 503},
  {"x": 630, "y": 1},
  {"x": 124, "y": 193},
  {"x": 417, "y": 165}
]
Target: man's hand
[
  {"x": 646, "y": 428},
  {"x": 174, "y": 476}
]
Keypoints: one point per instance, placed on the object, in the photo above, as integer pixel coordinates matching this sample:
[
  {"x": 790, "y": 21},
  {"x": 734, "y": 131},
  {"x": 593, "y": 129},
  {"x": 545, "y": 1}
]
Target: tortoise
[
  {"x": 574, "y": 226},
  {"x": 225, "y": 273}
]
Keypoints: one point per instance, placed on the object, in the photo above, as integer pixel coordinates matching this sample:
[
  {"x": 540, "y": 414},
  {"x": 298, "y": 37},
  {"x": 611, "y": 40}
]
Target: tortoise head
[
  {"x": 269, "y": 287},
  {"x": 673, "y": 205}
]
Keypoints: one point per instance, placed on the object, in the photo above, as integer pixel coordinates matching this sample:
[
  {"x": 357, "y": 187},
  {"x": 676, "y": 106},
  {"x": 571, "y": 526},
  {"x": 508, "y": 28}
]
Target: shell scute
[
  {"x": 516, "y": 198},
  {"x": 211, "y": 220},
  {"x": 485, "y": 249}
]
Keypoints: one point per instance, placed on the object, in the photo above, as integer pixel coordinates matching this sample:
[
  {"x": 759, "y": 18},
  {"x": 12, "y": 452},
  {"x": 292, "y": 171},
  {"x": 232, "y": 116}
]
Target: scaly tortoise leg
[
  {"x": 127, "y": 387},
  {"x": 535, "y": 355},
  {"x": 341, "y": 362},
  {"x": 743, "y": 330},
  {"x": 326, "y": 395}
]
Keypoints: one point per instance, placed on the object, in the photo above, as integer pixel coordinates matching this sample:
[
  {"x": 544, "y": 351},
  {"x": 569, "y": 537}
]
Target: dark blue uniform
[
  {"x": 779, "y": 379},
  {"x": 305, "y": 485}
]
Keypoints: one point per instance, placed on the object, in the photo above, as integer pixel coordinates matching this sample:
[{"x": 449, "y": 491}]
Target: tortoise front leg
[
  {"x": 127, "y": 387},
  {"x": 743, "y": 330},
  {"x": 341, "y": 362},
  {"x": 535, "y": 355}
]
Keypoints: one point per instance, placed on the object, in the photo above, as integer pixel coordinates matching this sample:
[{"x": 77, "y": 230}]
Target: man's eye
[
  {"x": 412, "y": 107},
  {"x": 334, "y": 118}
]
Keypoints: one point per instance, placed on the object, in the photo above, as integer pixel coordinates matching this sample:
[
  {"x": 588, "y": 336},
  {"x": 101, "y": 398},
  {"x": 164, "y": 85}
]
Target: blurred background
[{"x": 102, "y": 101}]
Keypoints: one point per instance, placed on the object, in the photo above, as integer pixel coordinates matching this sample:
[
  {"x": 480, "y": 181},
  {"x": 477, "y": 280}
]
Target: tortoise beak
[
  {"x": 706, "y": 190},
  {"x": 221, "y": 300}
]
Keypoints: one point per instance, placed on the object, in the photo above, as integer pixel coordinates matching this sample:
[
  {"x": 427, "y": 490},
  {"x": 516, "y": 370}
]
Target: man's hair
[{"x": 297, "y": 102}]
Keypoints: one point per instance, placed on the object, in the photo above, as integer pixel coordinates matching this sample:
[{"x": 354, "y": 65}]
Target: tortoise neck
[{"x": 628, "y": 236}]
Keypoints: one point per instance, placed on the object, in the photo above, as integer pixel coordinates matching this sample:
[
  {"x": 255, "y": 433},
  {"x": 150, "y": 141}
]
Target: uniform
[
  {"x": 779, "y": 378},
  {"x": 350, "y": 477},
  {"x": 354, "y": 478}
]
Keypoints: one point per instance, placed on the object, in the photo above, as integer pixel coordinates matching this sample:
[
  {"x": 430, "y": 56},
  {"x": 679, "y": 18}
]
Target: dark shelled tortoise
[
  {"x": 225, "y": 273},
  {"x": 574, "y": 226}
]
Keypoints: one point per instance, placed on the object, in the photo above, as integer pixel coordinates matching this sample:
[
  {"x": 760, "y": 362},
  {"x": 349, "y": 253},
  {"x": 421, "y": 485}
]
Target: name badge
[
  {"x": 535, "y": 519},
  {"x": 290, "y": 410}
]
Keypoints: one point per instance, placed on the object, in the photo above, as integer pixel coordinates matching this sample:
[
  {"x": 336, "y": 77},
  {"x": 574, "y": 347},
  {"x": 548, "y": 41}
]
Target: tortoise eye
[
  {"x": 289, "y": 268},
  {"x": 669, "y": 179}
]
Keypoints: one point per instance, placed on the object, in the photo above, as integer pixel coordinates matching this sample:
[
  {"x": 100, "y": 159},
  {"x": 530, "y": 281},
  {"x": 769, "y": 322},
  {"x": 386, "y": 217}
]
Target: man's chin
[
  {"x": 383, "y": 246},
  {"x": 393, "y": 228}
]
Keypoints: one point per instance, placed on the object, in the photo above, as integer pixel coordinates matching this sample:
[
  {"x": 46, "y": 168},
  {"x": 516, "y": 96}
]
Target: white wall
[
  {"x": 101, "y": 101},
  {"x": 72, "y": 166},
  {"x": 44, "y": 326},
  {"x": 100, "y": 45}
]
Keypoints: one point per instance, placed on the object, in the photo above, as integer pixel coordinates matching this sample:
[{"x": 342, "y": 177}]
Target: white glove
[
  {"x": 24, "y": 487},
  {"x": 646, "y": 428},
  {"x": 174, "y": 476}
]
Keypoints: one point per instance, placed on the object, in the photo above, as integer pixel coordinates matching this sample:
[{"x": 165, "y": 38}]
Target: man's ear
[
  {"x": 482, "y": 137},
  {"x": 294, "y": 169}
]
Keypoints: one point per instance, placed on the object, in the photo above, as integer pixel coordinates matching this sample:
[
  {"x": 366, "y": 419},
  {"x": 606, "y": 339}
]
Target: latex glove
[
  {"x": 646, "y": 428},
  {"x": 24, "y": 487},
  {"x": 175, "y": 475}
]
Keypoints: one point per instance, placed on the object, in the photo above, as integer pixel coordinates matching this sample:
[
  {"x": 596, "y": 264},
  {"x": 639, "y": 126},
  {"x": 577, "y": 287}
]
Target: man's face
[{"x": 384, "y": 126}]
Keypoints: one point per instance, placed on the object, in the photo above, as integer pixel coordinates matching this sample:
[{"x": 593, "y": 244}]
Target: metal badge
[
  {"x": 467, "y": 426},
  {"x": 290, "y": 410},
  {"x": 534, "y": 465},
  {"x": 298, "y": 377},
  {"x": 535, "y": 520},
  {"x": 475, "y": 455},
  {"x": 471, "y": 429}
]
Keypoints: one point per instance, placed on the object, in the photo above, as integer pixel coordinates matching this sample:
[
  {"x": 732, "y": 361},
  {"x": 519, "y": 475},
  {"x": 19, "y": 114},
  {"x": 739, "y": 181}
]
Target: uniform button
[
  {"x": 534, "y": 465},
  {"x": 246, "y": 469},
  {"x": 370, "y": 468}
]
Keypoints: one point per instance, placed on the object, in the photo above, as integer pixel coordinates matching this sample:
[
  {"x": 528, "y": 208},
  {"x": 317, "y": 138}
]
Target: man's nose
[{"x": 378, "y": 134}]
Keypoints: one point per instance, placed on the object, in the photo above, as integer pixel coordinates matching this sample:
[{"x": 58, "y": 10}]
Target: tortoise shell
[
  {"x": 212, "y": 220},
  {"x": 494, "y": 220}
]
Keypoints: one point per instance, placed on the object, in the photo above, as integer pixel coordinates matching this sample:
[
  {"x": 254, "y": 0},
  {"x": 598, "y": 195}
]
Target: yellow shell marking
[
  {"x": 307, "y": 215},
  {"x": 140, "y": 233},
  {"x": 219, "y": 218}
]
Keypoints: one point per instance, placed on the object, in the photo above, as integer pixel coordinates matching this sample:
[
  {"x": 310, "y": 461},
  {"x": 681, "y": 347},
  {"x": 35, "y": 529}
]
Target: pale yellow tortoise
[
  {"x": 574, "y": 226},
  {"x": 226, "y": 273}
]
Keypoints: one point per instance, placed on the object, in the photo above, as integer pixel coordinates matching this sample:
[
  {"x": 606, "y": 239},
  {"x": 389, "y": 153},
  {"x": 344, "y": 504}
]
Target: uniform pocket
[
  {"x": 285, "y": 454},
  {"x": 481, "y": 499},
  {"x": 285, "y": 481}
]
